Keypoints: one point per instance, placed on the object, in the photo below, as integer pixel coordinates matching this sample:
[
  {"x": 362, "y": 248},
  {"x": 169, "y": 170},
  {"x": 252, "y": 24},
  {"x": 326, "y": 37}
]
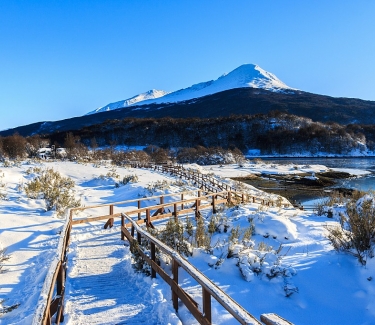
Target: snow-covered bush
[
  {"x": 129, "y": 179},
  {"x": 218, "y": 223},
  {"x": 202, "y": 238},
  {"x": 263, "y": 260},
  {"x": 355, "y": 232},
  {"x": 210, "y": 156},
  {"x": 54, "y": 189},
  {"x": 152, "y": 188},
  {"x": 173, "y": 235},
  {"x": 140, "y": 263},
  {"x": 3, "y": 258},
  {"x": 3, "y": 192}
]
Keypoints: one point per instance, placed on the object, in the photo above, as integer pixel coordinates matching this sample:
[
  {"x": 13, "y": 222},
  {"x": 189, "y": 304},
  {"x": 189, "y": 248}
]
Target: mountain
[
  {"x": 245, "y": 76},
  {"x": 247, "y": 90},
  {"x": 149, "y": 95}
]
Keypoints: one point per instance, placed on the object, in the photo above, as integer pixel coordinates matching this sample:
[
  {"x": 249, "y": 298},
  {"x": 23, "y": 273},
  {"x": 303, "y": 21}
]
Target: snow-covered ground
[{"x": 323, "y": 287}]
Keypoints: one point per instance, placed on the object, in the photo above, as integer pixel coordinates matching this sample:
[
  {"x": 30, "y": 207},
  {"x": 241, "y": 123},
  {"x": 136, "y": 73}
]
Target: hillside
[{"x": 230, "y": 102}]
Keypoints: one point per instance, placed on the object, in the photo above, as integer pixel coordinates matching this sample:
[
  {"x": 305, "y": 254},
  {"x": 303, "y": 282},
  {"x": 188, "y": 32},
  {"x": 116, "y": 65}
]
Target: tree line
[
  {"x": 195, "y": 139},
  {"x": 272, "y": 133}
]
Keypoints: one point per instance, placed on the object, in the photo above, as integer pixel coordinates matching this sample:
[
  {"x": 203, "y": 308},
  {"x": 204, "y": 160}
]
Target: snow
[
  {"x": 93, "y": 288},
  {"x": 247, "y": 75},
  {"x": 260, "y": 168},
  {"x": 151, "y": 94},
  {"x": 324, "y": 287}
]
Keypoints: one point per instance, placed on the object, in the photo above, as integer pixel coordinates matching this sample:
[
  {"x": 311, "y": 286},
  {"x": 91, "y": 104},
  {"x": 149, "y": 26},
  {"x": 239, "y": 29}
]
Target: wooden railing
[
  {"x": 53, "y": 291},
  {"x": 206, "y": 182},
  {"x": 51, "y": 304},
  {"x": 209, "y": 289}
]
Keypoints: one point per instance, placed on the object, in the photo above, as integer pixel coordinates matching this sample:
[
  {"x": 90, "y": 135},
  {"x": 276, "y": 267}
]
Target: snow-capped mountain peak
[
  {"x": 247, "y": 75},
  {"x": 251, "y": 75},
  {"x": 148, "y": 95}
]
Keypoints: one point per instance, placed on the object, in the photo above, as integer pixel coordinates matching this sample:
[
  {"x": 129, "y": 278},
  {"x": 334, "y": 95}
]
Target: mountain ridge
[
  {"x": 241, "y": 101},
  {"x": 246, "y": 75}
]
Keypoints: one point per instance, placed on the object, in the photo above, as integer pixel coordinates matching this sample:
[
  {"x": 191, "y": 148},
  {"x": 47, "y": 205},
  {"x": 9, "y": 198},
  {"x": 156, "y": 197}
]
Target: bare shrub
[
  {"x": 14, "y": 146},
  {"x": 355, "y": 233},
  {"x": 140, "y": 263},
  {"x": 3, "y": 258},
  {"x": 129, "y": 179},
  {"x": 56, "y": 190},
  {"x": 173, "y": 236}
]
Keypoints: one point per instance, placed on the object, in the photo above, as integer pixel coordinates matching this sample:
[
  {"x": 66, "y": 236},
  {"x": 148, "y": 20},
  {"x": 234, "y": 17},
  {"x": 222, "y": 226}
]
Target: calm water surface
[{"x": 362, "y": 183}]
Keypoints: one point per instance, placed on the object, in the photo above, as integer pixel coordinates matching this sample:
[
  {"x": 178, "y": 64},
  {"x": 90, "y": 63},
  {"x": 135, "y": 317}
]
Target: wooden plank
[
  {"x": 274, "y": 319},
  {"x": 87, "y": 220},
  {"x": 206, "y": 298},
  {"x": 122, "y": 202},
  {"x": 190, "y": 304},
  {"x": 127, "y": 234},
  {"x": 153, "y": 258},
  {"x": 109, "y": 223},
  {"x": 53, "y": 306},
  {"x": 175, "y": 281}
]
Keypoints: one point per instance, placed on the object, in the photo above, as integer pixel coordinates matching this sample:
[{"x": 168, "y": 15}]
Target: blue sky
[{"x": 60, "y": 59}]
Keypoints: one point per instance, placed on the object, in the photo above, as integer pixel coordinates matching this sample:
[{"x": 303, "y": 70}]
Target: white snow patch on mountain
[
  {"x": 247, "y": 75},
  {"x": 148, "y": 95}
]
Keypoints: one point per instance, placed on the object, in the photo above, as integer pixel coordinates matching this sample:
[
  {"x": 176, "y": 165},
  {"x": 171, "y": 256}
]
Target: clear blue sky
[{"x": 60, "y": 59}]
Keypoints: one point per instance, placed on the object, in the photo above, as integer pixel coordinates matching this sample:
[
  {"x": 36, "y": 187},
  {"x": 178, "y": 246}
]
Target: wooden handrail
[
  {"x": 55, "y": 278},
  {"x": 236, "y": 310}
]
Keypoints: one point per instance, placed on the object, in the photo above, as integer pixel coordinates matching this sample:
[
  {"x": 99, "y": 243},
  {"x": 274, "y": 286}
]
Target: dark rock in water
[
  {"x": 344, "y": 191},
  {"x": 319, "y": 182},
  {"x": 335, "y": 175}
]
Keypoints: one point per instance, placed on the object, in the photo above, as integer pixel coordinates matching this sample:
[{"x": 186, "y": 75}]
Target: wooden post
[
  {"x": 253, "y": 199},
  {"x": 243, "y": 198},
  {"x": 111, "y": 209},
  {"x": 148, "y": 220},
  {"x": 213, "y": 204},
  {"x": 153, "y": 257},
  {"x": 60, "y": 280},
  {"x": 132, "y": 231},
  {"x": 122, "y": 225},
  {"x": 206, "y": 304},
  {"x": 139, "y": 206},
  {"x": 175, "y": 212},
  {"x": 109, "y": 223},
  {"x": 175, "y": 280},
  {"x": 162, "y": 200},
  {"x": 229, "y": 197},
  {"x": 182, "y": 198}
]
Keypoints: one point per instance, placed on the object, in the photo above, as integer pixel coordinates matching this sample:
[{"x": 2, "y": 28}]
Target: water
[
  {"x": 364, "y": 183},
  {"x": 355, "y": 163}
]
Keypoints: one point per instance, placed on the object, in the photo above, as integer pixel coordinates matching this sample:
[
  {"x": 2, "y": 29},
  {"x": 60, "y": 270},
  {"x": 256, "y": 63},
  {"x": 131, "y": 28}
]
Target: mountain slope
[
  {"x": 247, "y": 75},
  {"x": 149, "y": 95},
  {"x": 235, "y": 101}
]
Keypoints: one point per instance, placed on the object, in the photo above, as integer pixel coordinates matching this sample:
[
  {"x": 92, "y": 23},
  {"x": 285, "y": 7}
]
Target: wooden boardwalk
[{"x": 101, "y": 287}]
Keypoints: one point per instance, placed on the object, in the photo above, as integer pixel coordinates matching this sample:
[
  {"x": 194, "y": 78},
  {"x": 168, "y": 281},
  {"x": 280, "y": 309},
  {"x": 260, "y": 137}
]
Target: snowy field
[{"x": 306, "y": 282}]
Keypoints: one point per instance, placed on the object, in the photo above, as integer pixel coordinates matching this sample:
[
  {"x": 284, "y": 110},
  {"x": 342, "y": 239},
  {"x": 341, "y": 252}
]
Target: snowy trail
[{"x": 102, "y": 287}]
